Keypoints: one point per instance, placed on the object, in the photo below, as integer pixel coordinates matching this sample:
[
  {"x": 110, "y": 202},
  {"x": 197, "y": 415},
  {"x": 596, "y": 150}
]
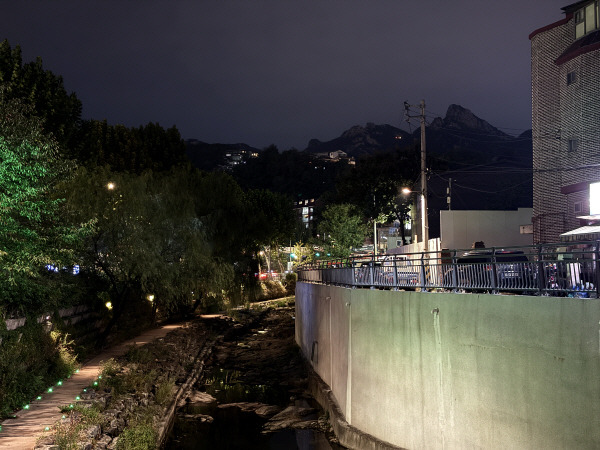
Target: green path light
[
  {"x": 59, "y": 383},
  {"x": 26, "y": 407},
  {"x": 39, "y": 397},
  {"x": 50, "y": 389},
  {"x": 78, "y": 398}
]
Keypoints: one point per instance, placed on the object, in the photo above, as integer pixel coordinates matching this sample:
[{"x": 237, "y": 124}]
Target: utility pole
[
  {"x": 424, "y": 218},
  {"x": 374, "y": 229}
]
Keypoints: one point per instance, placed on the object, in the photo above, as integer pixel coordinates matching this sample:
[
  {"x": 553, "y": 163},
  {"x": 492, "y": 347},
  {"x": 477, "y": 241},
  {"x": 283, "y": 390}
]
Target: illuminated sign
[{"x": 594, "y": 199}]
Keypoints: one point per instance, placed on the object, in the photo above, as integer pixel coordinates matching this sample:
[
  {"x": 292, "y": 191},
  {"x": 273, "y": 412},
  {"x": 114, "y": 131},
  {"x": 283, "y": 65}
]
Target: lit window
[
  {"x": 590, "y": 17},
  {"x": 586, "y": 19},
  {"x": 594, "y": 198}
]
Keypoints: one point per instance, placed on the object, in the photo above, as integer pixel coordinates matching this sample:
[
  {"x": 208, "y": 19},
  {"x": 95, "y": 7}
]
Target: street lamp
[{"x": 424, "y": 220}]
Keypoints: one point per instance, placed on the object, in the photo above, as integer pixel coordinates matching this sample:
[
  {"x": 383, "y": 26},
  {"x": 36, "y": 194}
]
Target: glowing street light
[
  {"x": 110, "y": 186},
  {"x": 424, "y": 221}
]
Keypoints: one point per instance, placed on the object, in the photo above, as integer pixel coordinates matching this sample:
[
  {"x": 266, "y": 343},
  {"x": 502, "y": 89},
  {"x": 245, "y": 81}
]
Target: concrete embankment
[{"x": 444, "y": 370}]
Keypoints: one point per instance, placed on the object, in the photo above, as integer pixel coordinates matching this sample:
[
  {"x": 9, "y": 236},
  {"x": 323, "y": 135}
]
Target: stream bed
[{"x": 253, "y": 394}]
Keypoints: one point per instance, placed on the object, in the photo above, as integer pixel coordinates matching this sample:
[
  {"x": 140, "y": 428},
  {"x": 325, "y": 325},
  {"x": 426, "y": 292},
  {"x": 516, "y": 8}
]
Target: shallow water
[{"x": 234, "y": 429}]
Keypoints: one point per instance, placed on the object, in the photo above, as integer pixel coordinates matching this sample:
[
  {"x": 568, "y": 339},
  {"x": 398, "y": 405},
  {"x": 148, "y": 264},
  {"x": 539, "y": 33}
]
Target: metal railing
[{"x": 548, "y": 269}]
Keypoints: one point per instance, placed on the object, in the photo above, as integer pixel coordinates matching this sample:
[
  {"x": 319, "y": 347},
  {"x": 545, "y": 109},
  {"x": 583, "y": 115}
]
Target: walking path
[{"x": 24, "y": 431}]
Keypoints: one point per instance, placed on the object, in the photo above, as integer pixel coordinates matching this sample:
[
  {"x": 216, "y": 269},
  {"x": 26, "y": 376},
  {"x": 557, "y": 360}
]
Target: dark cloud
[{"x": 283, "y": 71}]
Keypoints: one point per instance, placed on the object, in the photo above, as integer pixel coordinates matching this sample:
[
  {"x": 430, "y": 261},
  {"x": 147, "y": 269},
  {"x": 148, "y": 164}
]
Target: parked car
[{"x": 513, "y": 270}]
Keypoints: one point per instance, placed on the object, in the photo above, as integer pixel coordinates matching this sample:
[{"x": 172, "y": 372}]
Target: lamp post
[
  {"x": 424, "y": 221},
  {"x": 374, "y": 230}
]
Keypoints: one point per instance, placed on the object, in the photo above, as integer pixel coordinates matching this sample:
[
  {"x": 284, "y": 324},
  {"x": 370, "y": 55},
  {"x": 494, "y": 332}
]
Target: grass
[
  {"x": 68, "y": 432},
  {"x": 140, "y": 434},
  {"x": 164, "y": 392}
]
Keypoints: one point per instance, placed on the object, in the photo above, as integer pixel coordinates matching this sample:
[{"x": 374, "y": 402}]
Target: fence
[{"x": 547, "y": 269}]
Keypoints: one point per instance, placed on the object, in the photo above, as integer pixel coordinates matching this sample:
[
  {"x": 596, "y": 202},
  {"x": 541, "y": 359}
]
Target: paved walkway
[{"x": 24, "y": 431}]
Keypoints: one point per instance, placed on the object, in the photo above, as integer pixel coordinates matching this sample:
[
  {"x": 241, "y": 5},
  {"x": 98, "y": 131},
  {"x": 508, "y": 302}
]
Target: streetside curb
[{"x": 348, "y": 435}]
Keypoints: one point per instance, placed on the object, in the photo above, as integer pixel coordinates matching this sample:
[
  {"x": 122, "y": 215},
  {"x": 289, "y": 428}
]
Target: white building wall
[{"x": 459, "y": 229}]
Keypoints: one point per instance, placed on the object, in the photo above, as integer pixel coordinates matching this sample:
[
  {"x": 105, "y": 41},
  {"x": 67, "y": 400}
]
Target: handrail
[{"x": 571, "y": 269}]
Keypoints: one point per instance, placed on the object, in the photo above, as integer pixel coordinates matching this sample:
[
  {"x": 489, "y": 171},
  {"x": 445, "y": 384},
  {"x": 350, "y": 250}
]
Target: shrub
[
  {"x": 290, "y": 282},
  {"x": 164, "y": 392},
  {"x": 139, "y": 435},
  {"x": 31, "y": 360}
]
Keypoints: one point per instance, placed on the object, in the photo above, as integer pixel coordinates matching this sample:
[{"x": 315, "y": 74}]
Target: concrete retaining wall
[{"x": 441, "y": 370}]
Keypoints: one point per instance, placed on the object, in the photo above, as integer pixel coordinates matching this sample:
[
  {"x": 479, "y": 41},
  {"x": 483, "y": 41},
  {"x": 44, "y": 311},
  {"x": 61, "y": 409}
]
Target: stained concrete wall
[{"x": 442, "y": 370}]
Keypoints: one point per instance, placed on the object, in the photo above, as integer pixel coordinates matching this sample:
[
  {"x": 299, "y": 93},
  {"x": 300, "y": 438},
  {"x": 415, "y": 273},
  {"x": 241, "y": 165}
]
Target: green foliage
[
  {"x": 30, "y": 361},
  {"x": 290, "y": 282},
  {"x": 148, "y": 238},
  {"x": 139, "y": 435},
  {"x": 269, "y": 218},
  {"x": 139, "y": 355},
  {"x": 31, "y": 234},
  {"x": 70, "y": 431},
  {"x": 134, "y": 150},
  {"x": 66, "y": 363},
  {"x": 45, "y": 92},
  {"x": 164, "y": 392},
  {"x": 375, "y": 183},
  {"x": 341, "y": 229}
]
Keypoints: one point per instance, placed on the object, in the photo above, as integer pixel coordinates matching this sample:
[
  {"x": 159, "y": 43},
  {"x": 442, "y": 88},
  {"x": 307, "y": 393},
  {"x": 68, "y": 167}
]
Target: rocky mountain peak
[{"x": 462, "y": 118}]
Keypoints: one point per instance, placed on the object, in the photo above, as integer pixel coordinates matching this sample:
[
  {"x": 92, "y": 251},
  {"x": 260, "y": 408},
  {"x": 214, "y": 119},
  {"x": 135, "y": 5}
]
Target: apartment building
[{"x": 565, "y": 72}]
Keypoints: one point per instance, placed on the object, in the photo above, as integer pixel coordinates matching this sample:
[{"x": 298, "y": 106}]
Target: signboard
[{"x": 594, "y": 199}]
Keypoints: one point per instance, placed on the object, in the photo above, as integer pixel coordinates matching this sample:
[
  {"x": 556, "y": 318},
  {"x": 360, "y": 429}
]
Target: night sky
[{"x": 282, "y": 72}]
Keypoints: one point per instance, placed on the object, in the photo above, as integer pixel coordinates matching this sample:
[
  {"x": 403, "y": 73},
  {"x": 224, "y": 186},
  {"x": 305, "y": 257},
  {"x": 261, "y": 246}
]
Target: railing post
[
  {"x": 395, "y": 273},
  {"x": 423, "y": 281},
  {"x": 494, "y": 272},
  {"x": 454, "y": 272},
  {"x": 596, "y": 262},
  {"x": 541, "y": 272}
]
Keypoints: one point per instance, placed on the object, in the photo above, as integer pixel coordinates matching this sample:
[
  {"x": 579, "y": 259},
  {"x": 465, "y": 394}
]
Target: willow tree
[{"x": 147, "y": 243}]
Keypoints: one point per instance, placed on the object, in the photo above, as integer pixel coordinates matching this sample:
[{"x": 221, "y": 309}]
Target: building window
[
  {"x": 577, "y": 207},
  {"x": 573, "y": 144},
  {"x": 571, "y": 77},
  {"x": 586, "y": 19}
]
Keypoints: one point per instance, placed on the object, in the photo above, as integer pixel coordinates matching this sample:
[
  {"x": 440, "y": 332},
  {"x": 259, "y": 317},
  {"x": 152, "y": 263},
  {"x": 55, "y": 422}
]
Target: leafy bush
[
  {"x": 139, "y": 435},
  {"x": 290, "y": 282},
  {"x": 164, "y": 392},
  {"x": 31, "y": 360},
  {"x": 68, "y": 432}
]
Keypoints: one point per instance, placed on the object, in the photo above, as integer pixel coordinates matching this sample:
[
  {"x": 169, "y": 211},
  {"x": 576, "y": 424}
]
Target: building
[
  {"x": 304, "y": 210},
  {"x": 565, "y": 71}
]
